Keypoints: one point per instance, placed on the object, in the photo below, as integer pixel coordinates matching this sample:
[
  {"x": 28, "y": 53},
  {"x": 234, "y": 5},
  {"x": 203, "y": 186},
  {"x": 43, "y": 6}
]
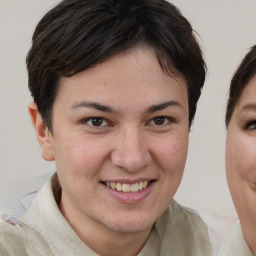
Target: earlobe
[{"x": 43, "y": 134}]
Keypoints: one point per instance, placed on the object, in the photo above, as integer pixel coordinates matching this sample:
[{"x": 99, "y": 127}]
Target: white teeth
[
  {"x": 141, "y": 186},
  {"x": 126, "y": 188},
  {"x": 118, "y": 186},
  {"x": 135, "y": 187},
  {"x": 113, "y": 185}
]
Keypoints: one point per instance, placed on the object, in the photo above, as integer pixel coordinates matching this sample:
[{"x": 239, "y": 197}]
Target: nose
[{"x": 131, "y": 150}]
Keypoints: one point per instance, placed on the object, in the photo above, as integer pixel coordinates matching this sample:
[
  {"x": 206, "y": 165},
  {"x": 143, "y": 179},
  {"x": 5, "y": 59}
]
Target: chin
[
  {"x": 128, "y": 224},
  {"x": 131, "y": 228}
]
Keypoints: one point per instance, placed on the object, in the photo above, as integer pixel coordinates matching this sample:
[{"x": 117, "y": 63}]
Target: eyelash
[
  {"x": 106, "y": 122},
  {"x": 89, "y": 121},
  {"x": 251, "y": 123},
  {"x": 166, "y": 121}
]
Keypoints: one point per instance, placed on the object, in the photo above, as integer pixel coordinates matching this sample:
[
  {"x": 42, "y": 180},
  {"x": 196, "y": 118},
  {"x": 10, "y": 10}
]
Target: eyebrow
[
  {"x": 163, "y": 105},
  {"x": 104, "y": 108},
  {"x": 86, "y": 104},
  {"x": 249, "y": 107}
]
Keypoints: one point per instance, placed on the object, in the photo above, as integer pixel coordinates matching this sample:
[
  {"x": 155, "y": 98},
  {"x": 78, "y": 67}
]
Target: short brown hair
[{"x": 79, "y": 34}]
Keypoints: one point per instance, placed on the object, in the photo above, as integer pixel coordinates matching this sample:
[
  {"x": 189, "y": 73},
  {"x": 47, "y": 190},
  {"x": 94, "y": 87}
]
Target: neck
[
  {"x": 102, "y": 240},
  {"x": 248, "y": 227}
]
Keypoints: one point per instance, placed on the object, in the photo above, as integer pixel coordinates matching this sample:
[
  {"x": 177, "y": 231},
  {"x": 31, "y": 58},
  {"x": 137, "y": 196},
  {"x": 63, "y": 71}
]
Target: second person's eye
[{"x": 251, "y": 125}]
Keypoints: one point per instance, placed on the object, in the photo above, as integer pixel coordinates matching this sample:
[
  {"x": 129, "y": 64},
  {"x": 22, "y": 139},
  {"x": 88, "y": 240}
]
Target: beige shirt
[
  {"x": 233, "y": 244},
  {"x": 43, "y": 231}
]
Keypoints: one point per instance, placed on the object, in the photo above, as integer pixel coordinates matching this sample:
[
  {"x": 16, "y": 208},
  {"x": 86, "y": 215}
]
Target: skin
[
  {"x": 241, "y": 161},
  {"x": 129, "y": 145}
]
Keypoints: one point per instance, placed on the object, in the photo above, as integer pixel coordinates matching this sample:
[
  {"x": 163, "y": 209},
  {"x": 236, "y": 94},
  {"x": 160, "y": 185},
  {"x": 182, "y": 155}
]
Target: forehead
[{"x": 129, "y": 75}]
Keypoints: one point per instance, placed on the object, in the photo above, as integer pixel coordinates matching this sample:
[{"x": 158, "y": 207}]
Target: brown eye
[
  {"x": 97, "y": 121},
  {"x": 160, "y": 120},
  {"x": 97, "y": 124}
]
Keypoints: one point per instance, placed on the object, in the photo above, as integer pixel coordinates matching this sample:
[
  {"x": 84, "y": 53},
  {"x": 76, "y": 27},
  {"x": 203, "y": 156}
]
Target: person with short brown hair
[{"x": 115, "y": 85}]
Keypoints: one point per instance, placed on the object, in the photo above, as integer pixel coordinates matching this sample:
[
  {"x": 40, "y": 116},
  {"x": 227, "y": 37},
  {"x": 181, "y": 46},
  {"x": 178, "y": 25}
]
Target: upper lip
[{"x": 128, "y": 181}]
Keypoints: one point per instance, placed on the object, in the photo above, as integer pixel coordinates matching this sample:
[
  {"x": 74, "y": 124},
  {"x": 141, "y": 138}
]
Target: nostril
[{"x": 130, "y": 162}]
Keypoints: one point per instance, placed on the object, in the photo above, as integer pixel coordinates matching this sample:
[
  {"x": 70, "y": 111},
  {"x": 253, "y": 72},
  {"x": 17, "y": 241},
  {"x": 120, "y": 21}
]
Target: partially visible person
[
  {"x": 115, "y": 85},
  {"x": 240, "y": 240}
]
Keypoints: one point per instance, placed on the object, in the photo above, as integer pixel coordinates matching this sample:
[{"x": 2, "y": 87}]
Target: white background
[{"x": 227, "y": 29}]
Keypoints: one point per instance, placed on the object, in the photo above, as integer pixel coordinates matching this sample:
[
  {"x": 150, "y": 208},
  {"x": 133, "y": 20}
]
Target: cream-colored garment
[
  {"x": 43, "y": 231},
  {"x": 233, "y": 243}
]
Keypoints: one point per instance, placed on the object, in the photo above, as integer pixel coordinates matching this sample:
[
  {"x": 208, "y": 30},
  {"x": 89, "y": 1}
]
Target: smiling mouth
[{"x": 128, "y": 188}]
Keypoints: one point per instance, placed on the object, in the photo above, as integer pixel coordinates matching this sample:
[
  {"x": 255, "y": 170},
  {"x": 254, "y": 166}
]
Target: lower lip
[{"x": 132, "y": 197}]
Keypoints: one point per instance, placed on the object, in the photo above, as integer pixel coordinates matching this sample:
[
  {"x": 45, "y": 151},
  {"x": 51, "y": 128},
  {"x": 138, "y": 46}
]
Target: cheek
[
  {"x": 172, "y": 153},
  {"x": 172, "y": 159},
  {"x": 76, "y": 154},
  {"x": 241, "y": 161},
  {"x": 248, "y": 168}
]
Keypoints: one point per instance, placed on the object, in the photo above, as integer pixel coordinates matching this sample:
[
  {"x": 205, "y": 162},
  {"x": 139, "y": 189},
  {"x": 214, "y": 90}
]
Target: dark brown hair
[
  {"x": 242, "y": 76},
  {"x": 79, "y": 34}
]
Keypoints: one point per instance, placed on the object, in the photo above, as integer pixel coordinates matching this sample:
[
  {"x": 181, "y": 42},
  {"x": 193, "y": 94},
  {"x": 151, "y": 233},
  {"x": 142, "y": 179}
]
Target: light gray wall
[{"x": 227, "y": 29}]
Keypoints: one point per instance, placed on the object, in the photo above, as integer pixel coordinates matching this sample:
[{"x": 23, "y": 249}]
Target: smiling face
[
  {"x": 120, "y": 137},
  {"x": 241, "y": 160}
]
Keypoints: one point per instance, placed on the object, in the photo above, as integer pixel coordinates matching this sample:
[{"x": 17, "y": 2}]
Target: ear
[{"x": 43, "y": 134}]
